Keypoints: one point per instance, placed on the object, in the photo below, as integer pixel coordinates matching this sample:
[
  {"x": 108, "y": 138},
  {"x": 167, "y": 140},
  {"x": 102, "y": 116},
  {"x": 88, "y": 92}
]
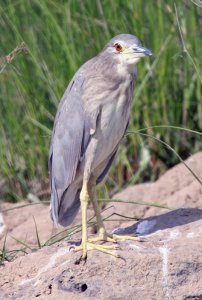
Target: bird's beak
[{"x": 141, "y": 50}]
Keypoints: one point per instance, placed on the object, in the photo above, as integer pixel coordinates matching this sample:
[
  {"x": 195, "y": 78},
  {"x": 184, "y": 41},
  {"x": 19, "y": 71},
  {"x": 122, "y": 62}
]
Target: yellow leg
[
  {"x": 84, "y": 198},
  {"x": 102, "y": 234},
  {"x": 101, "y": 227},
  {"x": 88, "y": 245}
]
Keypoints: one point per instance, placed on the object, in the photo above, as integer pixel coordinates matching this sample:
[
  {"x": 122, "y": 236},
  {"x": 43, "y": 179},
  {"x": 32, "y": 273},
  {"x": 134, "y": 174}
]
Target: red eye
[{"x": 118, "y": 47}]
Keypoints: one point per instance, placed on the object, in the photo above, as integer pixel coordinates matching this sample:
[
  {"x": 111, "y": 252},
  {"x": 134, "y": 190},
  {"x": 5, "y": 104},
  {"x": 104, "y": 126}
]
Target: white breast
[{"x": 113, "y": 121}]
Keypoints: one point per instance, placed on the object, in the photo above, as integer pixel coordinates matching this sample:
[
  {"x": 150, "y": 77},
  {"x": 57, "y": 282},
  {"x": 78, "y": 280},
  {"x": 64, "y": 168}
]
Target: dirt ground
[{"x": 166, "y": 265}]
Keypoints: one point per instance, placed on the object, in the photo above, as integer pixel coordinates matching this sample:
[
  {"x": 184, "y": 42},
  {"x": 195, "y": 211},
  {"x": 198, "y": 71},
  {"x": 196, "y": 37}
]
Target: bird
[{"x": 91, "y": 120}]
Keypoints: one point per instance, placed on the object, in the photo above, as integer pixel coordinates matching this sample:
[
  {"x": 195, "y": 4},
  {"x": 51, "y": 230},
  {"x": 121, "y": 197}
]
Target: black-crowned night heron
[{"x": 90, "y": 123}]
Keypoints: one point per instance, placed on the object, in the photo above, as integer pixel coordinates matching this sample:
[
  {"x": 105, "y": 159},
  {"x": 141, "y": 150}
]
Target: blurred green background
[{"x": 61, "y": 35}]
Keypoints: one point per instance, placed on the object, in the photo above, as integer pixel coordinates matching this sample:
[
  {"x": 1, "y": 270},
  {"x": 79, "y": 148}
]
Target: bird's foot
[
  {"x": 91, "y": 246},
  {"x": 104, "y": 237},
  {"x": 117, "y": 237},
  {"x": 107, "y": 237}
]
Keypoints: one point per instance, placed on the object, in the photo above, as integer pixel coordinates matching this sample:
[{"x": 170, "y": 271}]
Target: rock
[
  {"x": 167, "y": 264},
  {"x": 177, "y": 188}
]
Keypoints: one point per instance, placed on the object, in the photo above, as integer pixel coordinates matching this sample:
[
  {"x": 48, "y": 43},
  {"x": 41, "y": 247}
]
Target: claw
[
  {"x": 142, "y": 239},
  {"x": 71, "y": 247},
  {"x": 80, "y": 259},
  {"x": 102, "y": 248},
  {"x": 90, "y": 244}
]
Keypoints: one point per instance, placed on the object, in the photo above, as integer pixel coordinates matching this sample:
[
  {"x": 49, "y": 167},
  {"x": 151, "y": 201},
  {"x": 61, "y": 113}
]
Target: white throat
[{"x": 126, "y": 64}]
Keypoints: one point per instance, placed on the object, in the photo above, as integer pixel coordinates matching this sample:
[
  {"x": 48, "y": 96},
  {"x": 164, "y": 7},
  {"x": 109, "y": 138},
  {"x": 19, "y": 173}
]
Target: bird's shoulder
[{"x": 76, "y": 85}]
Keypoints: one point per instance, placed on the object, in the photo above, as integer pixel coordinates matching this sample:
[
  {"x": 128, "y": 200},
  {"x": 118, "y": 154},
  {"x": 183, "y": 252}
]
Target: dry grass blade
[
  {"x": 22, "y": 243},
  {"x": 37, "y": 234},
  {"x": 170, "y": 126},
  {"x": 71, "y": 230},
  {"x": 197, "y": 2},
  {"x": 184, "y": 46},
  {"x": 197, "y": 177},
  {"x": 119, "y": 215},
  {"x": 10, "y": 57},
  {"x": 39, "y": 125},
  {"x": 3, "y": 254},
  {"x": 137, "y": 203},
  {"x": 24, "y": 205}
]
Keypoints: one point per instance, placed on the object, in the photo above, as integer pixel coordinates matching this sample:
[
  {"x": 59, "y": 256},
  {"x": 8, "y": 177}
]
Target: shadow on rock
[{"x": 171, "y": 219}]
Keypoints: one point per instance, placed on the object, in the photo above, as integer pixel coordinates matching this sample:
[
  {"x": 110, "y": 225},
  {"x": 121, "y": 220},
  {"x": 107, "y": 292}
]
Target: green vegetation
[{"x": 61, "y": 35}]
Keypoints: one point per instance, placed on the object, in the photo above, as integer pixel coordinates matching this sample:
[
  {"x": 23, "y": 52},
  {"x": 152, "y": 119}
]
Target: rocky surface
[{"x": 166, "y": 265}]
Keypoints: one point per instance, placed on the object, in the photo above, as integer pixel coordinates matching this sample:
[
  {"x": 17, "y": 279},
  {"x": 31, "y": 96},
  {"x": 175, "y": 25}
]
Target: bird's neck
[{"x": 112, "y": 70}]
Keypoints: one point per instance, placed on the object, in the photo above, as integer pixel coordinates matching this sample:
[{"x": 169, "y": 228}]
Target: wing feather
[{"x": 71, "y": 134}]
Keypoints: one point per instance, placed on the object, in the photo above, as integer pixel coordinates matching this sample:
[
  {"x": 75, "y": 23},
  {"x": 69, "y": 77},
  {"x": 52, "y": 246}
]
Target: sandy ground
[{"x": 167, "y": 265}]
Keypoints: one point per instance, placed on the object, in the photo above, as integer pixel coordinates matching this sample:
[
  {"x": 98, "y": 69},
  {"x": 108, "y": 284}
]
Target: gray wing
[
  {"x": 109, "y": 162},
  {"x": 71, "y": 133},
  {"x": 106, "y": 168}
]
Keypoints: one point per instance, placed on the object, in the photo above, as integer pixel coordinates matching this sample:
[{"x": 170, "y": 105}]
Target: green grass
[{"x": 61, "y": 35}]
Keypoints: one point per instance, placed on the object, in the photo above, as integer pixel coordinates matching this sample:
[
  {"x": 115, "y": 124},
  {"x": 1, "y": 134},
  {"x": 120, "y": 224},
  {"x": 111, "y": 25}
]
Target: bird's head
[{"x": 126, "y": 49}]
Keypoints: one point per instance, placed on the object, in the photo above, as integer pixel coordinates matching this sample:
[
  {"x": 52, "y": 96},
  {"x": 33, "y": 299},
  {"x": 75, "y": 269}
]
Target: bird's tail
[{"x": 68, "y": 207}]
